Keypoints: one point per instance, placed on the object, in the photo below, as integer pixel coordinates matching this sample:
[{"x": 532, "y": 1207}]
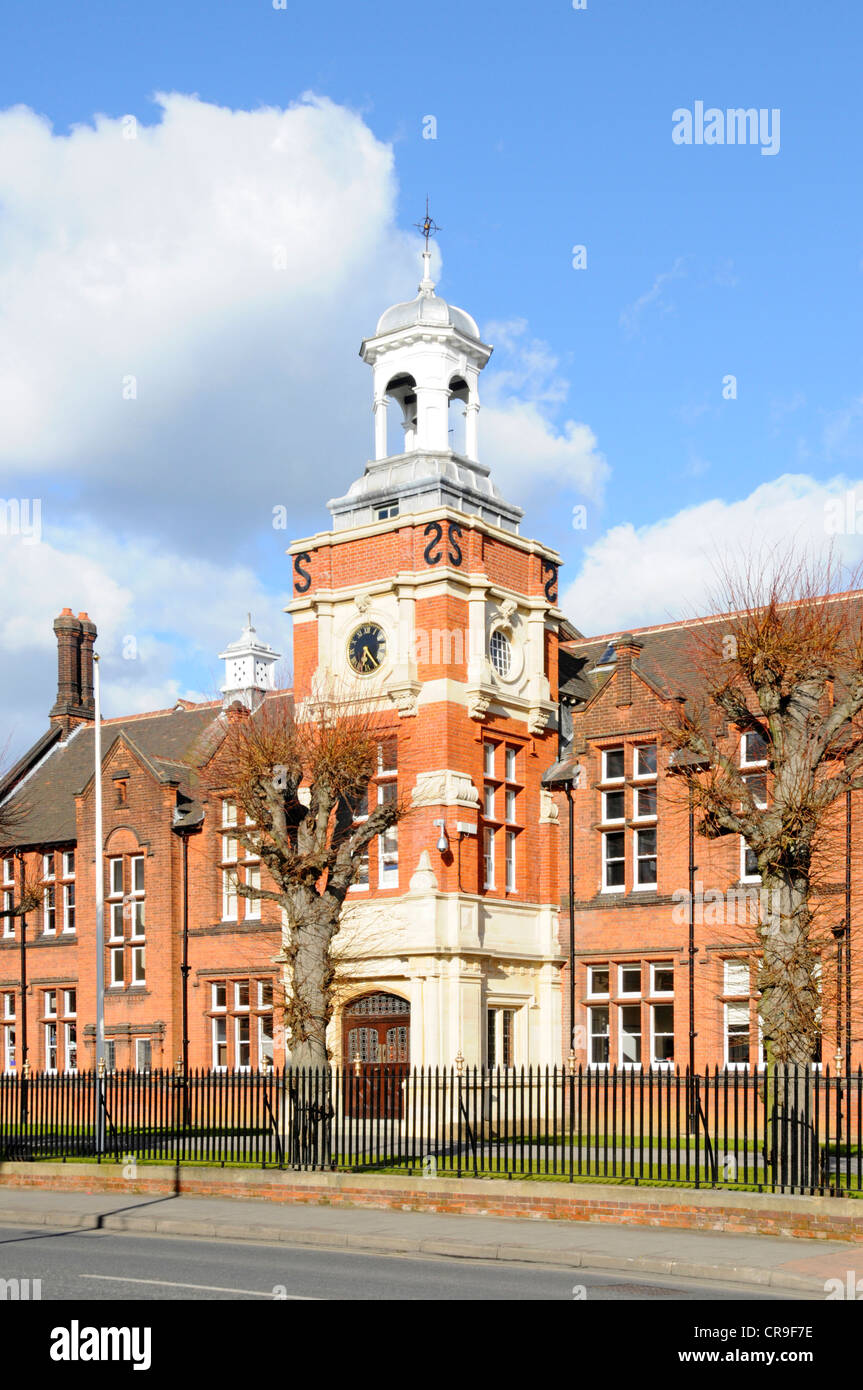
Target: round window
[{"x": 501, "y": 653}]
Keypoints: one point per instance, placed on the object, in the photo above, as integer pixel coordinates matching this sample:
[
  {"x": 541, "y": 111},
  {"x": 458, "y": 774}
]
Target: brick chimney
[
  {"x": 74, "y": 666},
  {"x": 626, "y": 650},
  {"x": 88, "y": 638}
]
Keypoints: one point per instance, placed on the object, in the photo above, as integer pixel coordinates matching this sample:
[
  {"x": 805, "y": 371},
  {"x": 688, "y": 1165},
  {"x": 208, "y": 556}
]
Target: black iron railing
[{"x": 782, "y": 1129}]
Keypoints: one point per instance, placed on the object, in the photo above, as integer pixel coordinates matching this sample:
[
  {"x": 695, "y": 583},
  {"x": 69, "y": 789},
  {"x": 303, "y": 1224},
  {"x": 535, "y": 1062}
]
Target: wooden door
[{"x": 376, "y": 1033}]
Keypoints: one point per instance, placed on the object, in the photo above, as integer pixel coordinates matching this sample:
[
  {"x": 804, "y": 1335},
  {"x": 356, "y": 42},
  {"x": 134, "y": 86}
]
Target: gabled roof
[{"x": 168, "y": 742}]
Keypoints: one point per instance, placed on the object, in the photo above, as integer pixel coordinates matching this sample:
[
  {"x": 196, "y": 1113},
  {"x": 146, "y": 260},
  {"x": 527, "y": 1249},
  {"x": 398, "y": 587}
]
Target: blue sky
[{"x": 553, "y": 129}]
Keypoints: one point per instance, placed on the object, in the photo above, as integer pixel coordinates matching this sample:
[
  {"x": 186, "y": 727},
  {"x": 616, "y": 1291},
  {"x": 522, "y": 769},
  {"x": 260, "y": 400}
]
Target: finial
[{"x": 428, "y": 227}]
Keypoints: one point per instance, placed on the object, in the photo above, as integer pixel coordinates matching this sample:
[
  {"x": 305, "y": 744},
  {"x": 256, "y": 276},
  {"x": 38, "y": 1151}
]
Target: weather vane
[{"x": 428, "y": 226}]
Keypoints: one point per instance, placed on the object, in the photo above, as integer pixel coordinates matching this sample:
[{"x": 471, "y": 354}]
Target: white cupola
[
  {"x": 426, "y": 356},
  {"x": 249, "y": 669}
]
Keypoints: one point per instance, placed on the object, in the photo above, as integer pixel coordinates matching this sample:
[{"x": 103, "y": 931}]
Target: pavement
[{"x": 798, "y": 1267}]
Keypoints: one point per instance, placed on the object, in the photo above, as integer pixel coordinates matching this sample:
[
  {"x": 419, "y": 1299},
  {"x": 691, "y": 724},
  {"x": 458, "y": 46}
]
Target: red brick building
[
  {"x": 631, "y": 872},
  {"x": 426, "y": 603}
]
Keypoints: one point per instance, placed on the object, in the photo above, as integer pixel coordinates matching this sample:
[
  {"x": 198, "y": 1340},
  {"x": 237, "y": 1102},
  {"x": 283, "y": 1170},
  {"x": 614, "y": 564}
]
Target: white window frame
[
  {"x": 116, "y": 955},
  {"x": 509, "y": 768},
  {"x": 49, "y": 909},
  {"x": 644, "y": 776},
  {"x": 744, "y": 760},
  {"x": 68, "y": 891},
  {"x": 621, "y": 859},
  {"x": 625, "y": 1062},
  {"x": 229, "y": 813},
  {"x": 238, "y": 1007},
  {"x": 496, "y": 1013},
  {"x": 739, "y": 1004},
  {"x": 270, "y": 1054},
  {"x": 606, "y": 779},
  {"x": 488, "y": 856},
  {"x": 139, "y": 1043},
  {"x": 593, "y": 1009},
  {"x": 68, "y": 854},
  {"x": 637, "y": 858},
  {"x": 660, "y": 993},
  {"x": 49, "y": 1003},
  {"x": 230, "y": 896},
  {"x": 488, "y": 793},
  {"x": 510, "y": 799},
  {"x": 613, "y": 820},
  {"x": 388, "y": 859},
  {"x": 646, "y": 817},
  {"x": 252, "y": 906},
  {"x": 116, "y": 916},
  {"x": 70, "y": 1045},
  {"x": 8, "y": 886},
  {"x": 629, "y": 993},
  {"x": 219, "y": 1023},
  {"x": 598, "y": 994},
  {"x": 662, "y": 1003},
  {"x": 114, "y": 892},
  {"x": 488, "y": 752},
  {"x": 728, "y": 986},
  {"x": 744, "y": 876},
  {"x": 240, "y": 1019},
  {"x": 139, "y": 967},
  {"x": 510, "y": 838},
  {"x": 8, "y": 906},
  {"x": 50, "y": 1027},
  {"x": 48, "y": 867}
]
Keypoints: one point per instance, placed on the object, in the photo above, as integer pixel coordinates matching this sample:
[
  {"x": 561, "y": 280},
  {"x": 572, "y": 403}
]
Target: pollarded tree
[
  {"x": 783, "y": 664},
  {"x": 303, "y": 786},
  {"x": 25, "y": 893}
]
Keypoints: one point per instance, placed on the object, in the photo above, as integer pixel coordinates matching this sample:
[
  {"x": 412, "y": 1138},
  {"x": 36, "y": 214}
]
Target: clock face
[{"x": 367, "y": 649}]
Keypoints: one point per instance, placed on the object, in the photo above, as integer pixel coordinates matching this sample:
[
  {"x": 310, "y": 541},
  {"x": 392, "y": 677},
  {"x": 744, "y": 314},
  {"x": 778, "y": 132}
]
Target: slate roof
[
  {"x": 164, "y": 740},
  {"x": 668, "y": 659}
]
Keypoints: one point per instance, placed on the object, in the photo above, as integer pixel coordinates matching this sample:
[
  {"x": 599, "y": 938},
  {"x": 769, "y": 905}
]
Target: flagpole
[{"x": 100, "y": 915}]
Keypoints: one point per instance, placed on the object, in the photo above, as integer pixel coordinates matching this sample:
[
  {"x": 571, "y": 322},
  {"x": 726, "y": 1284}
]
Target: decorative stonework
[
  {"x": 363, "y": 602},
  {"x": 445, "y": 788},
  {"x": 477, "y": 704},
  {"x": 537, "y": 720},
  {"x": 405, "y": 698},
  {"x": 506, "y": 611},
  {"x": 548, "y": 811},
  {"x": 424, "y": 878}
]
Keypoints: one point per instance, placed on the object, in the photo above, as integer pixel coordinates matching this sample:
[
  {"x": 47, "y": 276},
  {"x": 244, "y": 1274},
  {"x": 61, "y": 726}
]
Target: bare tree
[
  {"x": 28, "y": 885},
  {"x": 303, "y": 785},
  {"x": 784, "y": 664}
]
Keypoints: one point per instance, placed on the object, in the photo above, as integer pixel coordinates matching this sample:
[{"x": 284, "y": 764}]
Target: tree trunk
[
  {"x": 307, "y": 1014},
  {"x": 789, "y": 1013}
]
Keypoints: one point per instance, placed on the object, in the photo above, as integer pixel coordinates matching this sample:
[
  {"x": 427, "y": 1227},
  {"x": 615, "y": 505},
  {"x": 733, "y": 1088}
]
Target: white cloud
[
  {"x": 654, "y": 298},
  {"x": 633, "y": 576},
  {"x": 527, "y": 452},
  {"x": 230, "y": 262}
]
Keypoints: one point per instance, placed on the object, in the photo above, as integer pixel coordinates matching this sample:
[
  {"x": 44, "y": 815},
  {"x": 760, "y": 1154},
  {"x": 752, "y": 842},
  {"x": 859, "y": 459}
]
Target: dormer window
[{"x": 387, "y": 510}]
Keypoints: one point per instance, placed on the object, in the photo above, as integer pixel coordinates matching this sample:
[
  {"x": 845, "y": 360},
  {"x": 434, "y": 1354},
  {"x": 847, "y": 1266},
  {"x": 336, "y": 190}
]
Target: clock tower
[{"x": 425, "y": 601}]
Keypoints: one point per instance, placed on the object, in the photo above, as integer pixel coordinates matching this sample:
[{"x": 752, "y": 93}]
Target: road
[{"x": 84, "y": 1266}]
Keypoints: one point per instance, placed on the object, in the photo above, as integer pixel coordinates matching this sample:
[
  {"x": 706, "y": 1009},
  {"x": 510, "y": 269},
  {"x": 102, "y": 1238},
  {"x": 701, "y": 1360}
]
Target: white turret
[
  {"x": 426, "y": 356},
  {"x": 249, "y": 668}
]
